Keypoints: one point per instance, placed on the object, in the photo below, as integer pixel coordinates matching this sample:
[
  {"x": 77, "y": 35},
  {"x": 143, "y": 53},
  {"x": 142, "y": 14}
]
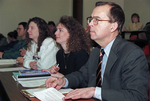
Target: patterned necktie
[{"x": 98, "y": 72}]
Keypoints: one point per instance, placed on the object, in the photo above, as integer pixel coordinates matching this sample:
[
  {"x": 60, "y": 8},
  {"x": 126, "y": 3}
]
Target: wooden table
[{"x": 10, "y": 89}]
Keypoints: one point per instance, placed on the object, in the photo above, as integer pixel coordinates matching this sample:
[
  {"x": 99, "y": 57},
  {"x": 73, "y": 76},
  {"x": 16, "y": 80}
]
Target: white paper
[
  {"x": 31, "y": 91},
  {"x": 7, "y": 61},
  {"x": 49, "y": 94},
  {"x": 32, "y": 83},
  {"x": 12, "y": 69}
]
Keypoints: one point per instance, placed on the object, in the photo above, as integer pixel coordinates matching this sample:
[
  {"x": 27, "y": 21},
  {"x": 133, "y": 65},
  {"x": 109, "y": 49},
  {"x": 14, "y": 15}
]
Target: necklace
[{"x": 66, "y": 59}]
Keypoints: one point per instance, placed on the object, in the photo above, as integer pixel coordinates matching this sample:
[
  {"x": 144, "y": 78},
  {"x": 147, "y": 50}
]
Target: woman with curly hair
[
  {"x": 41, "y": 46},
  {"x": 74, "y": 46}
]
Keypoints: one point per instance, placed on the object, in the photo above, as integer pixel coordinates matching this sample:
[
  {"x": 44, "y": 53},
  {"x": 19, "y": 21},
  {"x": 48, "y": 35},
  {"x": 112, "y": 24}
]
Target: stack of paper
[
  {"x": 46, "y": 94},
  {"x": 7, "y": 61},
  {"x": 32, "y": 83},
  {"x": 18, "y": 77},
  {"x": 12, "y": 69},
  {"x": 50, "y": 94}
]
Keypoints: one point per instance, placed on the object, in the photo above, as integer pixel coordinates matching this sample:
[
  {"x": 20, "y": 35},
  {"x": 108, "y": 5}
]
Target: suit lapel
[
  {"x": 93, "y": 66},
  {"x": 95, "y": 59},
  {"x": 111, "y": 60}
]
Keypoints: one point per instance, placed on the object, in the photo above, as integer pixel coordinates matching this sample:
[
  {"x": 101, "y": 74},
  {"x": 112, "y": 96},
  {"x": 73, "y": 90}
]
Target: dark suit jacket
[{"x": 125, "y": 77}]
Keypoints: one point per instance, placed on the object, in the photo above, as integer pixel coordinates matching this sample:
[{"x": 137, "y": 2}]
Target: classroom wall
[{"x": 14, "y": 11}]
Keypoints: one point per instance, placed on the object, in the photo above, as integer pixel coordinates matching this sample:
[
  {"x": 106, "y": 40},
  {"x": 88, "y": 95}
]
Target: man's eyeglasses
[
  {"x": 95, "y": 20},
  {"x": 19, "y": 29}
]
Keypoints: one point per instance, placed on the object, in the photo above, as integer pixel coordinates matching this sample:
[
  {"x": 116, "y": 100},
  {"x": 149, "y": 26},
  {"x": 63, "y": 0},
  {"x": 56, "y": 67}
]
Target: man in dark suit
[{"x": 124, "y": 68}]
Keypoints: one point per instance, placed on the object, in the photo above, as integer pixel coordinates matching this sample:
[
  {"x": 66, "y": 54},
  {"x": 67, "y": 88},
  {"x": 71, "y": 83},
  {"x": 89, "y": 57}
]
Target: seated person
[
  {"x": 74, "y": 47},
  {"x": 124, "y": 70},
  {"x": 3, "y": 40},
  {"x": 52, "y": 26},
  {"x": 145, "y": 36},
  {"x": 41, "y": 46},
  {"x": 135, "y": 25},
  {"x": 12, "y": 37},
  {"x": 13, "y": 53}
]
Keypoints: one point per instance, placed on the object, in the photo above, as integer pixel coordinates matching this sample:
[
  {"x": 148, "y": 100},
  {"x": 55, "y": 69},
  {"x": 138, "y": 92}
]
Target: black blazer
[{"x": 125, "y": 77}]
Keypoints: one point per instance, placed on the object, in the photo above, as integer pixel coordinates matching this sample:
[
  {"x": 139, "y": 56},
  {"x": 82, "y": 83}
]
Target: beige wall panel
[{"x": 14, "y": 11}]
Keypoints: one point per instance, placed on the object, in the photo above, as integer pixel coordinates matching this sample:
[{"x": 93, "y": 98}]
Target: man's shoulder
[{"x": 123, "y": 45}]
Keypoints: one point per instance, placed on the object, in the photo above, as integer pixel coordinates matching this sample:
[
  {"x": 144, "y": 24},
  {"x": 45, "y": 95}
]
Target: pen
[
  {"x": 50, "y": 82},
  {"x": 57, "y": 65}
]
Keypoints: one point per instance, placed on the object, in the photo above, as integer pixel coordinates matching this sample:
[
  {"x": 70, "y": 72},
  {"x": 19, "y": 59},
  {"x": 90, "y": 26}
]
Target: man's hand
[
  {"x": 1, "y": 55},
  {"x": 80, "y": 93},
  {"x": 56, "y": 83}
]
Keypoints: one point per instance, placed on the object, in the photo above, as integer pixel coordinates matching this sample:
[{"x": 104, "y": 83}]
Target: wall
[{"x": 14, "y": 11}]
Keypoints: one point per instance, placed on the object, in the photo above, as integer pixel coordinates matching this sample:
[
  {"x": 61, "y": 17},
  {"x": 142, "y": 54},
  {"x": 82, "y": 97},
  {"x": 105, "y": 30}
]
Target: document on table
[
  {"x": 12, "y": 69},
  {"x": 7, "y": 61},
  {"x": 30, "y": 92},
  {"x": 49, "y": 94},
  {"x": 32, "y": 83}
]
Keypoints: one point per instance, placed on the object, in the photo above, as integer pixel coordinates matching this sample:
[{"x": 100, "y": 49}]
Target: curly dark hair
[
  {"x": 44, "y": 32},
  {"x": 78, "y": 38}
]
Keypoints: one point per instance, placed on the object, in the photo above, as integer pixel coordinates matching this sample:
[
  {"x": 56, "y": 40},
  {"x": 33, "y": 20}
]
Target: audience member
[
  {"x": 12, "y": 37},
  {"x": 124, "y": 70},
  {"x": 41, "y": 46},
  {"x": 3, "y": 40},
  {"x": 135, "y": 25},
  {"x": 52, "y": 26},
  {"x": 74, "y": 46},
  {"x": 145, "y": 36},
  {"x": 14, "y": 52}
]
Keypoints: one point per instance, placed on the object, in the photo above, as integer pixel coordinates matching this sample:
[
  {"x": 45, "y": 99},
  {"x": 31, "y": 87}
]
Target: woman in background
[
  {"x": 41, "y": 46},
  {"x": 74, "y": 46},
  {"x": 135, "y": 25}
]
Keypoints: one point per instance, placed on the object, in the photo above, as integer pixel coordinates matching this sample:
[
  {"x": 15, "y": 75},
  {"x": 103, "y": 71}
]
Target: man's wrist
[{"x": 65, "y": 82}]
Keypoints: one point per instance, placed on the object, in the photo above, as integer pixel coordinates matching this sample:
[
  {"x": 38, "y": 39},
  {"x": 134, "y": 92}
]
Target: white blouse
[{"x": 46, "y": 57}]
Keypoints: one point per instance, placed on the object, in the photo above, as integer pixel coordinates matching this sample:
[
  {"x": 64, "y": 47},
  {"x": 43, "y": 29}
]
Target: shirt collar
[{"x": 108, "y": 47}]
